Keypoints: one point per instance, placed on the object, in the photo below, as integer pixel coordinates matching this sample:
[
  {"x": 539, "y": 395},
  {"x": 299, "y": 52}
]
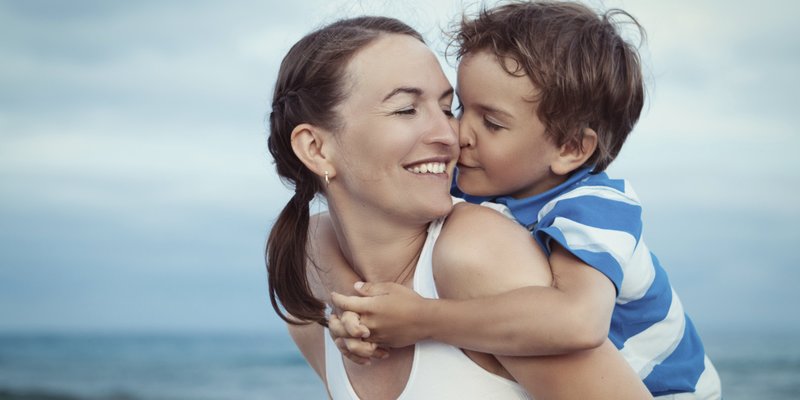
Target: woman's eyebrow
[
  {"x": 447, "y": 93},
  {"x": 416, "y": 92},
  {"x": 408, "y": 90}
]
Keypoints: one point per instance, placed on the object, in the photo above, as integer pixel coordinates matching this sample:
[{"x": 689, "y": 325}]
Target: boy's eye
[
  {"x": 491, "y": 125},
  {"x": 448, "y": 112}
]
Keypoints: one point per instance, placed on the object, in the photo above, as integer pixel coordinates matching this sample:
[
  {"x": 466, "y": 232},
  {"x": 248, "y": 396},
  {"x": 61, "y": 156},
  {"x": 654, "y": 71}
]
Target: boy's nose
[{"x": 466, "y": 137}]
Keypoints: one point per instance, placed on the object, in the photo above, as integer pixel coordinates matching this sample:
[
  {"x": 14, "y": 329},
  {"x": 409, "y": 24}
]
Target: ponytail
[{"x": 286, "y": 263}]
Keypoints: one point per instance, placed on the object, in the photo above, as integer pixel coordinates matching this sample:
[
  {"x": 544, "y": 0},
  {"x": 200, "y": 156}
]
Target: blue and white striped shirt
[{"x": 598, "y": 220}]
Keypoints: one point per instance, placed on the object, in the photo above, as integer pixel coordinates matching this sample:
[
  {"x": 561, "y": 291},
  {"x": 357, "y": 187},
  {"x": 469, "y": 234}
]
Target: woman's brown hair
[
  {"x": 310, "y": 84},
  {"x": 586, "y": 74}
]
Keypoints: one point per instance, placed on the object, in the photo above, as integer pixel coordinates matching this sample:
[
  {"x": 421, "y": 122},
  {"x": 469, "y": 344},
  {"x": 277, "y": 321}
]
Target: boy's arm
[
  {"x": 571, "y": 315},
  {"x": 463, "y": 270}
]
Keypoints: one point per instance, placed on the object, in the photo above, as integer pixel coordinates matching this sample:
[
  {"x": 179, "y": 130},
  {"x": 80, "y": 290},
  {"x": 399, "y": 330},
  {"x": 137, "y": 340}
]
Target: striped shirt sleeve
[{"x": 600, "y": 225}]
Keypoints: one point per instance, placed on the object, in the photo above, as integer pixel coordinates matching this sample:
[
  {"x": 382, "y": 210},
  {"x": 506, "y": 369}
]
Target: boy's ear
[
  {"x": 314, "y": 147},
  {"x": 572, "y": 155}
]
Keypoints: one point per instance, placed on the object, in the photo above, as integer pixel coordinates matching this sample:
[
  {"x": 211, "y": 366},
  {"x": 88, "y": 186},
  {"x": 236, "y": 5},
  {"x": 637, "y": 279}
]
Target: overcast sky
[{"x": 136, "y": 191}]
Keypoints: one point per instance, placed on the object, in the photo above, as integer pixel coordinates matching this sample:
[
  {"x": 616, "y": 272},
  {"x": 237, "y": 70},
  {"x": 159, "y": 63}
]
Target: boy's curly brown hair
[{"x": 586, "y": 74}]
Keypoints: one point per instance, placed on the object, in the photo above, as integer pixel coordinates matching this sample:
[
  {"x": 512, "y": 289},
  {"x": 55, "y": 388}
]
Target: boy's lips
[{"x": 461, "y": 165}]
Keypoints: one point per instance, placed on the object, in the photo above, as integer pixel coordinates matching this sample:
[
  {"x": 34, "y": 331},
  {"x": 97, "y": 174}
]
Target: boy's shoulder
[
  {"x": 598, "y": 220},
  {"x": 597, "y": 186},
  {"x": 594, "y": 205}
]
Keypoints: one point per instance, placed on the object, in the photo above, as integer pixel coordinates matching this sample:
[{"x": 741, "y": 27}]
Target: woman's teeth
[{"x": 428, "y": 168}]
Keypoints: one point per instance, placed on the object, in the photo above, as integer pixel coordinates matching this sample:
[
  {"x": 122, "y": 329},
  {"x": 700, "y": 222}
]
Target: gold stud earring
[{"x": 327, "y": 179}]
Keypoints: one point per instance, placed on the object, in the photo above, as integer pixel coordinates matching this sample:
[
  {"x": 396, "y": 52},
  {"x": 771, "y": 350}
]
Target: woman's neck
[{"x": 378, "y": 249}]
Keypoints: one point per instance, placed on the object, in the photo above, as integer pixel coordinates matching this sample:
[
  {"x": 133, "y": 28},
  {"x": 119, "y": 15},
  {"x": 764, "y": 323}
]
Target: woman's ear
[
  {"x": 314, "y": 147},
  {"x": 572, "y": 155}
]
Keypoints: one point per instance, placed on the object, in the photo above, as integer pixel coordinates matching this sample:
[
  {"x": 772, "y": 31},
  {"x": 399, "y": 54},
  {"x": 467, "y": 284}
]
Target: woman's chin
[{"x": 443, "y": 206}]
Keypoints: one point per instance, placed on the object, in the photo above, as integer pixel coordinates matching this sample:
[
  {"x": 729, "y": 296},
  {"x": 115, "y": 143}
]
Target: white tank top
[{"x": 438, "y": 371}]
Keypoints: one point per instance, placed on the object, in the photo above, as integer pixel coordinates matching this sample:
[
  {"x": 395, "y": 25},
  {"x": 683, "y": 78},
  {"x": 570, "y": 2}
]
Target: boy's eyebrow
[
  {"x": 489, "y": 109},
  {"x": 493, "y": 110}
]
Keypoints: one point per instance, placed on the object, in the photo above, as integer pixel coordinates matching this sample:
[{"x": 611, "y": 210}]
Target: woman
[{"x": 361, "y": 113}]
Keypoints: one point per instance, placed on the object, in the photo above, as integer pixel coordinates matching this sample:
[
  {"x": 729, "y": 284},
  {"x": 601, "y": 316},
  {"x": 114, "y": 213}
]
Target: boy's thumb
[
  {"x": 369, "y": 289},
  {"x": 345, "y": 303},
  {"x": 363, "y": 288}
]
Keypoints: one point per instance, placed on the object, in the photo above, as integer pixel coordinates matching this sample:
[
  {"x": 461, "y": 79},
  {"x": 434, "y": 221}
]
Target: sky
[{"x": 136, "y": 191}]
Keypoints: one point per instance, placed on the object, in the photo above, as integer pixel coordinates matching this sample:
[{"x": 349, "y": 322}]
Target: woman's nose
[{"x": 444, "y": 130}]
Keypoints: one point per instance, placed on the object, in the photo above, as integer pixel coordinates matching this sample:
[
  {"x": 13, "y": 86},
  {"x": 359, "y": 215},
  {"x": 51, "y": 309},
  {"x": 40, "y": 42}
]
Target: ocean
[
  {"x": 154, "y": 367},
  {"x": 267, "y": 366}
]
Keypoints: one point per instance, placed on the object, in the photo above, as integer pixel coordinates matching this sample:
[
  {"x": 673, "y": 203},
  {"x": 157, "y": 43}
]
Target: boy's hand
[
  {"x": 348, "y": 334},
  {"x": 391, "y": 313}
]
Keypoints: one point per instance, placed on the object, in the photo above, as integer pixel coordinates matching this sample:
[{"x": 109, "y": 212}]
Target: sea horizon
[{"x": 184, "y": 365}]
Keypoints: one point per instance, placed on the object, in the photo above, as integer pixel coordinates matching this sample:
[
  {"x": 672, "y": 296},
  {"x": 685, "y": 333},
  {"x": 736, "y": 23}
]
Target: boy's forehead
[
  {"x": 499, "y": 73},
  {"x": 507, "y": 62}
]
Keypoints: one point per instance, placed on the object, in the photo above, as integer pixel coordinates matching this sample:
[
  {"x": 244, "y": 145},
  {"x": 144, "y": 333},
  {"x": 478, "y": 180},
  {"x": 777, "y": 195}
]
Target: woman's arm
[
  {"x": 310, "y": 340},
  {"x": 499, "y": 257}
]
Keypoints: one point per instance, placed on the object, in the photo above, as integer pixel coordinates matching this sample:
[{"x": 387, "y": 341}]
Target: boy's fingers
[
  {"x": 369, "y": 289},
  {"x": 349, "y": 303},
  {"x": 336, "y": 328},
  {"x": 353, "y": 326},
  {"x": 340, "y": 344},
  {"x": 358, "y": 360},
  {"x": 380, "y": 353},
  {"x": 360, "y": 348}
]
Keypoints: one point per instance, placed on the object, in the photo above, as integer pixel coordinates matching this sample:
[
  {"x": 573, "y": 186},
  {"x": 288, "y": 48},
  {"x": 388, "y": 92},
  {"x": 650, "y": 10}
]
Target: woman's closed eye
[{"x": 406, "y": 111}]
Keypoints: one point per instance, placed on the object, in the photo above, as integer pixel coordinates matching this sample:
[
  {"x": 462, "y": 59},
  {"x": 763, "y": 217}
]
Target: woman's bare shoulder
[
  {"x": 471, "y": 229},
  {"x": 481, "y": 252}
]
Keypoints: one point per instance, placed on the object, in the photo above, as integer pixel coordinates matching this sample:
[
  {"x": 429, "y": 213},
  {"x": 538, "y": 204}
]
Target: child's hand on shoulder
[
  {"x": 392, "y": 315},
  {"x": 348, "y": 334}
]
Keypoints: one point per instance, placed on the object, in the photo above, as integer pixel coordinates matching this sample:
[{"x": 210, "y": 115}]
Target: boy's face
[{"x": 504, "y": 150}]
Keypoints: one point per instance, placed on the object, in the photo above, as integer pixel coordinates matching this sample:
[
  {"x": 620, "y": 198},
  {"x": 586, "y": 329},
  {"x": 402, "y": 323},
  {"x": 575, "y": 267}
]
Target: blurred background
[{"x": 136, "y": 191}]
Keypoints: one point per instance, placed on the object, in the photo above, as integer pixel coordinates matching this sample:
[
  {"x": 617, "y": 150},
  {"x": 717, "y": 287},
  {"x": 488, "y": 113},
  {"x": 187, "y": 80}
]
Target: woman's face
[{"x": 396, "y": 151}]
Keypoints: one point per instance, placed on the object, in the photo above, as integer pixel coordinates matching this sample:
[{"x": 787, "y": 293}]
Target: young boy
[{"x": 550, "y": 92}]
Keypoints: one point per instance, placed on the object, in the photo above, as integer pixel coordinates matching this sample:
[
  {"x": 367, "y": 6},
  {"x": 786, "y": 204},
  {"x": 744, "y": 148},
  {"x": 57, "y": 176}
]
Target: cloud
[
  {"x": 135, "y": 175},
  {"x": 722, "y": 63}
]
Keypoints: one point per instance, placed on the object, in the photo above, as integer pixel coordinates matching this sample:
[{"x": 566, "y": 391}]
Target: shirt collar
[{"x": 526, "y": 210}]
